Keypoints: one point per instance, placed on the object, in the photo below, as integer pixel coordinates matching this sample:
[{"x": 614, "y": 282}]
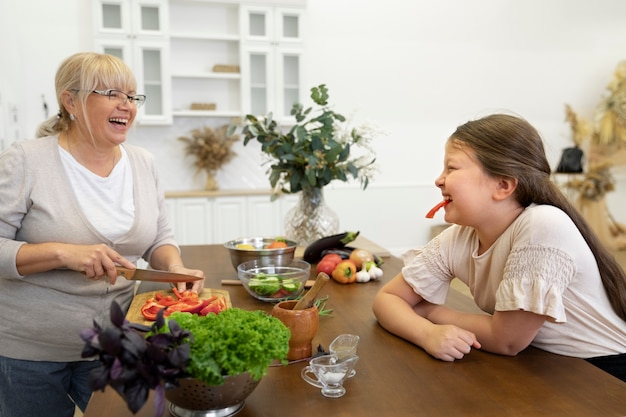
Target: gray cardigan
[{"x": 41, "y": 315}]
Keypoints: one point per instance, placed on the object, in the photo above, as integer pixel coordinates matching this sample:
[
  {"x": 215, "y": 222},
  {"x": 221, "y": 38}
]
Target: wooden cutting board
[{"x": 134, "y": 312}]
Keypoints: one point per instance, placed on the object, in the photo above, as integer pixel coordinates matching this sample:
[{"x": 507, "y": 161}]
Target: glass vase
[{"x": 310, "y": 219}]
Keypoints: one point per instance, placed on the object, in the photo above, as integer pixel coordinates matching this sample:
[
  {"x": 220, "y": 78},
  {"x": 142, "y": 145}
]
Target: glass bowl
[{"x": 274, "y": 282}]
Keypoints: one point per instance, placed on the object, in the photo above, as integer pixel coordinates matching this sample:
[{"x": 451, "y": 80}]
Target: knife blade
[{"x": 154, "y": 275}]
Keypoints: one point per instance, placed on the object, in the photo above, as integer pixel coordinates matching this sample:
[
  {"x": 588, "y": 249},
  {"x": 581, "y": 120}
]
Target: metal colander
[{"x": 194, "y": 398}]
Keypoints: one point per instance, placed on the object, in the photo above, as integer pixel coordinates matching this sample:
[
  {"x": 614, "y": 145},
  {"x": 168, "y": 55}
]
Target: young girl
[{"x": 530, "y": 260}]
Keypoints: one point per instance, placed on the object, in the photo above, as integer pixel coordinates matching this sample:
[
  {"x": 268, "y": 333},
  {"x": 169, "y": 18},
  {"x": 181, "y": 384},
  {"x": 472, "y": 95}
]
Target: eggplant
[
  {"x": 313, "y": 252},
  {"x": 343, "y": 252}
]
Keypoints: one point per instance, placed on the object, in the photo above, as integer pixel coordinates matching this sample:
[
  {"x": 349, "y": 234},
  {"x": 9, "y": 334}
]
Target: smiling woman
[{"x": 68, "y": 253}]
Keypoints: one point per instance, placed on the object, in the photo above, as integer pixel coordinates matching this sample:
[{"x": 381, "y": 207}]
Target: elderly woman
[{"x": 75, "y": 203}]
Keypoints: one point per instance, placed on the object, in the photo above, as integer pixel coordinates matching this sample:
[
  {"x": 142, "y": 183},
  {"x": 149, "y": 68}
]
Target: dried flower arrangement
[
  {"x": 610, "y": 117},
  {"x": 606, "y": 143},
  {"x": 212, "y": 149},
  {"x": 594, "y": 184},
  {"x": 580, "y": 128}
]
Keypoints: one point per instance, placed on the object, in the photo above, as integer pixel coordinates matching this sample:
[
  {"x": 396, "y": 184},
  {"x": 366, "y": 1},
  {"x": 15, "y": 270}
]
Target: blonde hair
[{"x": 80, "y": 74}]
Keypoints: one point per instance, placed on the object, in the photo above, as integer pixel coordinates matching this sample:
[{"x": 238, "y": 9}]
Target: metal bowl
[
  {"x": 194, "y": 398},
  {"x": 274, "y": 283},
  {"x": 269, "y": 257}
]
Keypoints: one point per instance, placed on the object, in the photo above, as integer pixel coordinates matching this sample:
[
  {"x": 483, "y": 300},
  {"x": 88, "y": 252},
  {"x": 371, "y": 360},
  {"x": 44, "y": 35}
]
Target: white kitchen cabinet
[
  {"x": 264, "y": 217},
  {"x": 137, "y": 31},
  {"x": 193, "y": 221},
  {"x": 130, "y": 17},
  {"x": 170, "y": 207},
  {"x": 205, "y": 58},
  {"x": 229, "y": 218},
  {"x": 272, "y": 59},
  {"x": 218, "y": 219}
]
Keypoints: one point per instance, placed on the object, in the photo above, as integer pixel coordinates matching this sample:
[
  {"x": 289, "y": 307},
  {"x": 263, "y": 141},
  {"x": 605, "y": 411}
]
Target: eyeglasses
[{"x": 122, "y": 97}]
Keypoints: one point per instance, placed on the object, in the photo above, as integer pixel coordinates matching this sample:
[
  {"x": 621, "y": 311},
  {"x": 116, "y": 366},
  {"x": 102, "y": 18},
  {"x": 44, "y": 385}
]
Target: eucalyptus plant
[{"x": 315, "y": 150}]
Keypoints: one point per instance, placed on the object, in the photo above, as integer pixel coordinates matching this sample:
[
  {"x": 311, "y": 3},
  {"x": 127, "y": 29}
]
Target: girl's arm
[
  {"x": 505, "y": 332},
  {"x": 396, "y": 306}
]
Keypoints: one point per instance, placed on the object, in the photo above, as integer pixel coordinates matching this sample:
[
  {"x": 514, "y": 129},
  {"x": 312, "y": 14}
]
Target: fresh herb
[
  {"x": 233, "y": 342},
  {"x": 133, "y": 364},
  {"x": 320, "y": 303},
  {"x": 186, "y": 345}
]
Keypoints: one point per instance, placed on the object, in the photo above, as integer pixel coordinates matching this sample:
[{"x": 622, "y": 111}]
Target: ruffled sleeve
[
  {"x": 425, "y": 271},
  {"x": 535, "y": 278}
]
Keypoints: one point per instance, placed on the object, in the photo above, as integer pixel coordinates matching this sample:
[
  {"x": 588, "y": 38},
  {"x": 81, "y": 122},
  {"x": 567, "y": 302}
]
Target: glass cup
[
  {"x": 344, "y": 346},
  {"x": 329, "y": 374}
]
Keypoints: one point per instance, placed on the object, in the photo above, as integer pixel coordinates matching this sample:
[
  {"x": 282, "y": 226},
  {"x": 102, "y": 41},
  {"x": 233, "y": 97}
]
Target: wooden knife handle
[
  {"x": 125, "y": 272},
  {"x": 309, "y": 298}
]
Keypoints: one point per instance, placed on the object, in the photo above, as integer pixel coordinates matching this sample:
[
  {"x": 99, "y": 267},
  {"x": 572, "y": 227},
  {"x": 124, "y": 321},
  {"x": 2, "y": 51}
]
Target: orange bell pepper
[{"x": 345, "y": 272}]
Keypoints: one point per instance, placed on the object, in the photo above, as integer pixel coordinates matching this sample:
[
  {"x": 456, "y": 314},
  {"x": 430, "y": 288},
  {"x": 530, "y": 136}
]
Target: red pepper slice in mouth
[{"x": 432, "y": 211}]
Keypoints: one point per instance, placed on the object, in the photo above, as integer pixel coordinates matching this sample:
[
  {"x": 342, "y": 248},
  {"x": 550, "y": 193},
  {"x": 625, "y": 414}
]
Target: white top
[
  {"x": 42, "y": 314},
  {"x": 541, "y": 264},
  {"x": 107, "y": 202}
]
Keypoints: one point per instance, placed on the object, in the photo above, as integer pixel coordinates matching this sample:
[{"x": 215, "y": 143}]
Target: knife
[{"x": 154, "y": 275}]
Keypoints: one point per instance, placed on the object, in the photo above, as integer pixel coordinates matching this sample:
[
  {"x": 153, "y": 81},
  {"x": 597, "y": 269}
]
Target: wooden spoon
[{"x": 309, "y": 298}]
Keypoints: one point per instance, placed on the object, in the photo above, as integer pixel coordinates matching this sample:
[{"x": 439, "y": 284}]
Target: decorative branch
[{"x": 210, "y": 147}]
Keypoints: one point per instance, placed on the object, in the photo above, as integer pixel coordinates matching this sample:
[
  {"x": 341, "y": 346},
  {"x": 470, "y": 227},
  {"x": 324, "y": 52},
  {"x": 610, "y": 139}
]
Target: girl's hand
[{"x": 448, "y": 342}]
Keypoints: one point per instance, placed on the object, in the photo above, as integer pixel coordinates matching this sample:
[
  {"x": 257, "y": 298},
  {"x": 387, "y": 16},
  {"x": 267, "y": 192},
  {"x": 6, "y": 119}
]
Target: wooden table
[{"x": 397, "y": 378}]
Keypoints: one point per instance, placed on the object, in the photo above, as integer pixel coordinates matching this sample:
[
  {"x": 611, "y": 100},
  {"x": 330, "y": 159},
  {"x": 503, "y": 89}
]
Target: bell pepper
[
  {"x": 186, "y": 301},
  {"x": 345, "y": 272},
  {"x": 150, "y": 309},
  {"x": 432, "y": 211}
]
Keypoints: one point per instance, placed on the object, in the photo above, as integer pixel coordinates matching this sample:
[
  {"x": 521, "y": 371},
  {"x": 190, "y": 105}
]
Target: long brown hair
[{"x": 508, "y": 146}]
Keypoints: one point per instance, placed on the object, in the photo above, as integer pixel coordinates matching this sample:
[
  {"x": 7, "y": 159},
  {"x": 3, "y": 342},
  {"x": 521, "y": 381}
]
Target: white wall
[{"x": 416, "y": 68}]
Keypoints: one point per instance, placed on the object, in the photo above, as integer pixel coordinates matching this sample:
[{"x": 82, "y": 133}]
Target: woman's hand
[
  {"x": 196, "y": 286},
  {"x": 96, "y": 261}
]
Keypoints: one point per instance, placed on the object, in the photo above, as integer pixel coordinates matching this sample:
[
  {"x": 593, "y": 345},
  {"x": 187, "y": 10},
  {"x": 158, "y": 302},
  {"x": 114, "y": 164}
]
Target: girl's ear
[{"x": 505, "y": 187}]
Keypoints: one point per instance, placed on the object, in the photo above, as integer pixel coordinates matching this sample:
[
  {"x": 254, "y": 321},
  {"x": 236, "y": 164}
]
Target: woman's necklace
[{"x": 76, "y": 157}]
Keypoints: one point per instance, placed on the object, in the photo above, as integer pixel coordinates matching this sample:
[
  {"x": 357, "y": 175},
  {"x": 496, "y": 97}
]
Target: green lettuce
[{"x": 232, "y": 342}]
